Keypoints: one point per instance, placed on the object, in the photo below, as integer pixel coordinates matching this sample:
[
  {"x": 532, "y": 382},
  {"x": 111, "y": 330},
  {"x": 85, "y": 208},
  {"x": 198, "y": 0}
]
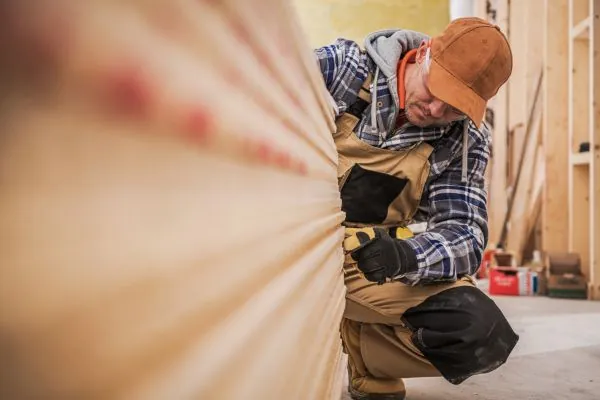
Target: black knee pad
[{"x": 462, "y": 332}]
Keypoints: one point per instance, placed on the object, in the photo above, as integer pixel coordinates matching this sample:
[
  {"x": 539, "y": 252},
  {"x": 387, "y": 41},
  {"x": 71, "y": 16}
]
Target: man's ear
[{"x": 420, "y": 56}]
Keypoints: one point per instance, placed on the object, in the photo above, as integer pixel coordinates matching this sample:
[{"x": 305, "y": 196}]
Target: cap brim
[{"x": 450, "y": 90}]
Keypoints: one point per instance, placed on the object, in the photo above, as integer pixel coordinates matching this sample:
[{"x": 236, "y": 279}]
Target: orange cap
[{"x": 470, "y": 60}]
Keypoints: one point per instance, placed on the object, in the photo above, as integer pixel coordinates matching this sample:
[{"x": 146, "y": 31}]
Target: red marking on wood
[
  {"x": 283, "y": 160},
  {"x": 264, "y": 152},
  {"x": 130, "y": 93},
  {"x": 198, "y": 126}
]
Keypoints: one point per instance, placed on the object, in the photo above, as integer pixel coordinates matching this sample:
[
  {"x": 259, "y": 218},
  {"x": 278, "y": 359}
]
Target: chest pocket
[
  {"x": 378, "y": 186},
  {"x": 367, "y": 195}
]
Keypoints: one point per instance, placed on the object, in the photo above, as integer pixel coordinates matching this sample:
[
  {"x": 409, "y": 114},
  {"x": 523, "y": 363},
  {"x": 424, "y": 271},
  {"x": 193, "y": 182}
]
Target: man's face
[{"x": 421, "y": 107}]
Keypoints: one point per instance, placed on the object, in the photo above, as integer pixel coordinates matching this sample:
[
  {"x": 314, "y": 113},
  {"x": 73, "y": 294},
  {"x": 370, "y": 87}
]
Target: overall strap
[{"x": 363, "y": 99}]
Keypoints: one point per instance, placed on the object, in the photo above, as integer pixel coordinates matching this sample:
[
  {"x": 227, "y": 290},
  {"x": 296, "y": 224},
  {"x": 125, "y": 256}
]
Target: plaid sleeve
[
  {"x": 457, "y": 230},
  {"x": 341, "y": 64},
  {"x": 330, "y": 59}
]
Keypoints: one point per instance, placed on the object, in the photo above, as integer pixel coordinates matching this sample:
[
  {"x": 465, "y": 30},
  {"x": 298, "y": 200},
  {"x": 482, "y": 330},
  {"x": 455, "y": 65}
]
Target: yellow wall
[{"x": 326, "y": 20}]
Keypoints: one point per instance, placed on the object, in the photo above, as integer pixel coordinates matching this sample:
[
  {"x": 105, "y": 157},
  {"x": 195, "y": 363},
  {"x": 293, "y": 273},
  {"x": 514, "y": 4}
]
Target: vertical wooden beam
[
  {"x": 595, "y": 149},
  {"x": 535, "y": 45},
  {"x": 524, "y": 181},
  {"x": 581, "y": 10},
  {"x": 527, "y": 45},
  {"x": 555, "y": 133},
  {"x": 579, "y": 124},
  {"x": 517, "y": 102},
  {"x": 499, "y": 162}
]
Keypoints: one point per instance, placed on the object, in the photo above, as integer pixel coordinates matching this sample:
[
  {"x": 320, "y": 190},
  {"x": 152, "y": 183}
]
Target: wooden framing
[{"x": 550, "y": 159}]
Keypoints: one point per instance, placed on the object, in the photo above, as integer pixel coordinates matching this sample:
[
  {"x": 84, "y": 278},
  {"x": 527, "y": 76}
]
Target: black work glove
[{"x": 379, "y": 256}]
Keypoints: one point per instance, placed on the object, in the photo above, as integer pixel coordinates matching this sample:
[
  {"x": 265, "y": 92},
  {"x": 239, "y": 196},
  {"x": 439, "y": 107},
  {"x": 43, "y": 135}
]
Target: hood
[{"x": 385, "y": 48}]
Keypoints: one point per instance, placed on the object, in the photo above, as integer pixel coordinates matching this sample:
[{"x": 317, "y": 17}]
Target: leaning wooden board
[{"x": 169, "y": 214}]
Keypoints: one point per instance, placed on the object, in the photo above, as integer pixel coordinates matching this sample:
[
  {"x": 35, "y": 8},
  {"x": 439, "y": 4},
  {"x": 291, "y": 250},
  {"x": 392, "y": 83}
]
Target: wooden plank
[
  {"x": 581, "y": 30},
  {"x": 531, "y": 139},
  {"x": 498, "y": 200},
  {"x": 581, "y": 10},
  {"x": 535, "y": 46},
  {"x": 581, "y": 91},
  {"x": 556, "y": 150},
  {"x": 533, "y": 227},
  {"x": 523, "y": 186},
  {"x": 517, "y": 102},
  {"x": 579, "y": 217},
  {"x": 535, "y": 207},
  {"x": 595, "y": 148},
  {"x": 578, "y": 131},
  {"x": 106, "y": 262},
  {"x": 581, "y": 159}
]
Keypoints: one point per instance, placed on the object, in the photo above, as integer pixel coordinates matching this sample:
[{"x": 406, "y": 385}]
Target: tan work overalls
[{"x": 383, "y": 187}]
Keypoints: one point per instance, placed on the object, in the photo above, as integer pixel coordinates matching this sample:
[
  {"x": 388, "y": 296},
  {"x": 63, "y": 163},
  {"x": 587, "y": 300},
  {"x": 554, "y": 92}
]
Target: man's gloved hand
[{"x": 378, "y": 255}]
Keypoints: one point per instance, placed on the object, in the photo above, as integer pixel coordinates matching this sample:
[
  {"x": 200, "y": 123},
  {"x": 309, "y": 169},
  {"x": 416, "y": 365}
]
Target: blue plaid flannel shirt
[{"x": 455, "y": 212}]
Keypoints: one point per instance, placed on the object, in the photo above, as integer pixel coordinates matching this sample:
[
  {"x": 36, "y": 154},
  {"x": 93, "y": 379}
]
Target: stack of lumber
[{"x": 170, "y": 219}]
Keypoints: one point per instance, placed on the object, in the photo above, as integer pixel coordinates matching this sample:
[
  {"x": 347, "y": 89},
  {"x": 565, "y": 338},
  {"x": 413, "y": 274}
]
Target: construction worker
[{"x": 412, "y": 148}]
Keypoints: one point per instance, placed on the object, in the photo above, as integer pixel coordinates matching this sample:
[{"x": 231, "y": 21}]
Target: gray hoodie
[{"x": 386, "y": 47}]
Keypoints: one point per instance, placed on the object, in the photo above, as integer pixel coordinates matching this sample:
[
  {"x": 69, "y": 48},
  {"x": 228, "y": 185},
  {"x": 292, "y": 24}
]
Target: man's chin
[
  {"x": 424, "y": 123},
  {"x": 414, "y": 120}
]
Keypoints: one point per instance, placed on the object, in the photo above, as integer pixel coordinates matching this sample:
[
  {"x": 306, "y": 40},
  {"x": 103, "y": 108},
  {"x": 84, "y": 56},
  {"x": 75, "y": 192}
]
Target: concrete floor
[{"x": 557, "y": 357}]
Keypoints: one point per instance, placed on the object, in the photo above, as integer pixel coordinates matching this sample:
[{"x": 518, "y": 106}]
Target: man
[{"x": 412, "y": 148}]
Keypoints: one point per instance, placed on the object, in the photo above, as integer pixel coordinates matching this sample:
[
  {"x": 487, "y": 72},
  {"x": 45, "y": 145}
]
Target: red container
[{"x": 504, "y": 281}]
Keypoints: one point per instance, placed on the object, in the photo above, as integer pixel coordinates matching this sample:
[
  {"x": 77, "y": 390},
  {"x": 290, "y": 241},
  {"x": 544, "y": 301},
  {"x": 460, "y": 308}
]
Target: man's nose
[{"x": 437, "y": 108}]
